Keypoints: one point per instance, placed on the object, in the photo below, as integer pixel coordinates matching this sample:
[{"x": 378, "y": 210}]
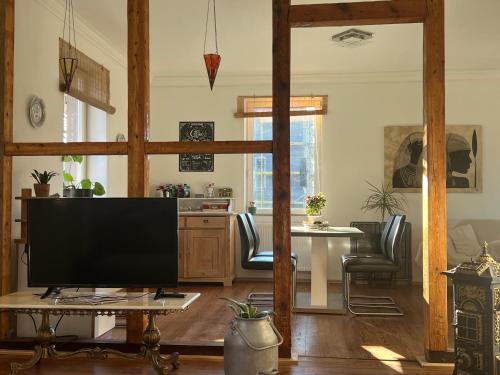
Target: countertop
[{"x": 199, "y": 213}]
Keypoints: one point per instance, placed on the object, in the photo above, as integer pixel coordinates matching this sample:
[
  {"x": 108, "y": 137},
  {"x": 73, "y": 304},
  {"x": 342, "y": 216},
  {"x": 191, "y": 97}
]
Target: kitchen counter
[{"x": 200, "y": 213}]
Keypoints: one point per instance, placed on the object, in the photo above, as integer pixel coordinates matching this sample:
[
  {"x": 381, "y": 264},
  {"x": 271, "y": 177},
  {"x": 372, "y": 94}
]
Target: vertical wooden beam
[
  {"x": 138, "y": 120},
  {"x": 434, "y": 186},
  {"x": 6, "y": 123},
  {"x": 281, "y": 172}
]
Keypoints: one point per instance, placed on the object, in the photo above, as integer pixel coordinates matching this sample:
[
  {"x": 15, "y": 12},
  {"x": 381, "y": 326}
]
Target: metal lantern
[
  {"x": 68, "y": 60},
  {"x": 212, "y": 60},
  {"x": 476, "y": 293}
]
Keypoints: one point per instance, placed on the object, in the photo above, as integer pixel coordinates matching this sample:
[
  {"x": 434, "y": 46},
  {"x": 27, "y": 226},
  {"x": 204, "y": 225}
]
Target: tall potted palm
[{"x": 384, "y": 200}]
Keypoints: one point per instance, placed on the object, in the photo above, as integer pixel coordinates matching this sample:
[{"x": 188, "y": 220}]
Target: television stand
[
  {"x": 50, "y": 291},
  {"x": 160, "y": 293}
]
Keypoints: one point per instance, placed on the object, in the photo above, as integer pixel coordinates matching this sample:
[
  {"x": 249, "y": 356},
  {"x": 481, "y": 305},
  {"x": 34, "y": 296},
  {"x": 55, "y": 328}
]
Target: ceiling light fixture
[
  {"x": 212, "y": 60},
  {"x": 352, "y": 38}
]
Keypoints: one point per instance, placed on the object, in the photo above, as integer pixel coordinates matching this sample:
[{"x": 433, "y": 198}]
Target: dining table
[{"x": 319, "y": 300}]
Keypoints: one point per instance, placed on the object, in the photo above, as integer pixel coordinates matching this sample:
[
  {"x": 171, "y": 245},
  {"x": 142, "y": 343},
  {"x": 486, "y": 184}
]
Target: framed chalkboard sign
[{"x": 199, "y": 131}]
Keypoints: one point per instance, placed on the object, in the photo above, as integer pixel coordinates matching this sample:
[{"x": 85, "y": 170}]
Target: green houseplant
[
  {"x": 85, "y": 188},
  {"x": 314, "y": 205},
  {"x": 42, "y": 186},
  {"x": 384, "y": 200}
]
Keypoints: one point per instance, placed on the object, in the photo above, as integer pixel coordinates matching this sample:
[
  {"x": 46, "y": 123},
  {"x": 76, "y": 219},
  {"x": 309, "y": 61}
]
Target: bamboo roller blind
[
  {"x": 90, "y": 83},
  {"x": 261, "y": 106}
]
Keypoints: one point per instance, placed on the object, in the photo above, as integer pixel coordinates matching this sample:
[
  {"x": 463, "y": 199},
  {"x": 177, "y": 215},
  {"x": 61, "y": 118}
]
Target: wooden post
[
  {"x": 434, "y": 187},
  {"x": 281, "y": 173},
  {"x": 6, "y": 110},
  {"x": 138, "y": 120}
]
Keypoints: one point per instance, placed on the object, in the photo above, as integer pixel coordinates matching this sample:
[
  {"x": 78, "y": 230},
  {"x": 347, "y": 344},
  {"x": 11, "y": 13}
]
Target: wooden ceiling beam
[
  {"x": 359, "y": 13},
  {"x": 60, "y": 148},
  {"x": 217, "y": 147}
]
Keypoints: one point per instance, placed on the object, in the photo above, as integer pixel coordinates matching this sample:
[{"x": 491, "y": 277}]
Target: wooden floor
[
  {"x": 215, "y": 366},
  {"x": 314, "y": 335}
]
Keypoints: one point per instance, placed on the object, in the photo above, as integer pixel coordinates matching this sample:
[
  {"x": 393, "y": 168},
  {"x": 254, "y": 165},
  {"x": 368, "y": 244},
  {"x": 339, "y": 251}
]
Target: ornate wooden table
[
  {"x": 319, "y": 300},
  {"x": 137, "y": 303}
]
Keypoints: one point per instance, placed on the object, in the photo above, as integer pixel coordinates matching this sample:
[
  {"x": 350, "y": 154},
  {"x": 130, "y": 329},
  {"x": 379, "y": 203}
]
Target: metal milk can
[{"x": 251, "y": 347}]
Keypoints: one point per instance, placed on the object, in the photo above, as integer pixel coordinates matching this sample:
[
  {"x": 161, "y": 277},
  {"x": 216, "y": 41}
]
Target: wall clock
[{"x": 36, "y": 112}]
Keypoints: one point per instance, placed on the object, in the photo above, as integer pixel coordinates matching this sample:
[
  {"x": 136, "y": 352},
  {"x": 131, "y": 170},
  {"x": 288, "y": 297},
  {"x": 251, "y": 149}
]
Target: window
[
  {"x": 74, "y": 131},
  {"x": 85, "y": 123},
  {"x": 304, "y": 151}
]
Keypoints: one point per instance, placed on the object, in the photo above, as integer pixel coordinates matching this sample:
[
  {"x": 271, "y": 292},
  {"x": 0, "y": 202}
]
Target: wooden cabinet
[{"x": 206, "y": 249}]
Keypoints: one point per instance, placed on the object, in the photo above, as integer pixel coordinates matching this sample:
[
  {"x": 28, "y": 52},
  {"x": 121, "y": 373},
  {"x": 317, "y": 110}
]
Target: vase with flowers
[{"x": 314, "y": 204}]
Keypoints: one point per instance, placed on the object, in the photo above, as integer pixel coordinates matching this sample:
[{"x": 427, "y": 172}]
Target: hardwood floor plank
[
  {"x": 215, "y": 366},
  {"x": 315, "y": 335}
]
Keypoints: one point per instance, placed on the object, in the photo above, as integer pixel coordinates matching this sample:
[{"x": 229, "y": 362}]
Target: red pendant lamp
[{"x": 212, "y": 60}]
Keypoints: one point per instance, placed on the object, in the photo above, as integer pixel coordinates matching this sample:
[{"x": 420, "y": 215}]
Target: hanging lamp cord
[
  {"x": 70, "y": 17},
  {"x": 206, "y": 29}
]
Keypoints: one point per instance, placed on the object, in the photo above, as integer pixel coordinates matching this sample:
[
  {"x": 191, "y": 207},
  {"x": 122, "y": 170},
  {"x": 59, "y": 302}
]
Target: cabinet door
[
  {"x": 182, "y": 252},
  {"x": 204, "y": 256}
]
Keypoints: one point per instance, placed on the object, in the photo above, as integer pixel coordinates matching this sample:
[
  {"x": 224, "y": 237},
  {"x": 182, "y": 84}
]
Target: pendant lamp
[
  {"x": 68, "y": 60},
  {"x": 212, "y": 60}
]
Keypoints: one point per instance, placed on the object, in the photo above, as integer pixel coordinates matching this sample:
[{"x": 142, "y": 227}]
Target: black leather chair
[
  {"x": 256, "y": 239},
  {"x": 386, "y": 262},
  {"x": 251, "y": 261}
]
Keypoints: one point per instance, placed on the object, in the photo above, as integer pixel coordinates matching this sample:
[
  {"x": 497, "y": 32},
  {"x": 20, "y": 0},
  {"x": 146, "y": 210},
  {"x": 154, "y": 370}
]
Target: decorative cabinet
[
  {"x": 370, "y": 243},
  {"x": 206, "y": 248},
  {"x": 476, "y": 298}
]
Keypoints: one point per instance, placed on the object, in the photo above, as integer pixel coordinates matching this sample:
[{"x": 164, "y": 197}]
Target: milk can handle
[{"x": 280, "y": 338}]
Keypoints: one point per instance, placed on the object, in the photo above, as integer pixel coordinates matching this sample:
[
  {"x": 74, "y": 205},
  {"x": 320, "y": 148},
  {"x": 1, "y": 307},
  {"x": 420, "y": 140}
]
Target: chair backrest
[
  {"x": 395, "y": 237},
  {"x": 246, "y": 238},
  {"x": 385, "y": 236},
  {"x": 255, "y": 231}
]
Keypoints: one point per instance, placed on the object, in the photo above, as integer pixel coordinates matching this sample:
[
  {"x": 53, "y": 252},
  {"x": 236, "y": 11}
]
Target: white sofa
[{"x": 485, "y": 230}]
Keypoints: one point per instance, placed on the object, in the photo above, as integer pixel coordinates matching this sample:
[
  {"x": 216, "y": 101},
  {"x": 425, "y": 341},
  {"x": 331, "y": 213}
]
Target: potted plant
[
  {"x": 42, "y": 186},
  {"x": 251, "y": 344},
  {"x": 384, "y": 200},
  {"x": 83, "y": 189},
  {"x": 314, "y": 204}
]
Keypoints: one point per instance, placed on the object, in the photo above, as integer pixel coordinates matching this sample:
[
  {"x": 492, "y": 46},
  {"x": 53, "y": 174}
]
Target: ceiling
[{"x": 245, "y": 34}]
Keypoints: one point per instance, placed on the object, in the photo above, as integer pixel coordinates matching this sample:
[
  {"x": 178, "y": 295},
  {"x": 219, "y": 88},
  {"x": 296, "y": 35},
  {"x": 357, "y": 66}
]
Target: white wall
[
  {"x": 353, "y": 140},
  {"x": 38, "y": 27}
]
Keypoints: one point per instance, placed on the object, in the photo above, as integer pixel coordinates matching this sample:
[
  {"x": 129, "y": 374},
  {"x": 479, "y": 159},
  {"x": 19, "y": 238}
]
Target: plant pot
[
  {"x": 251, "y": 347},
  {"x": 42, "y": 190},
  {"x": 252, "y": 210},
  {"x": 311, "y": 219},
  {"x": 78, "y": 193}
]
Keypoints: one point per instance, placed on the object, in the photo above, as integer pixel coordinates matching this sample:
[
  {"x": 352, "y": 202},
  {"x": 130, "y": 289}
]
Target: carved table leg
[
  {"x": 44, "y": 338},
  {"x": 161, "y": 363}
]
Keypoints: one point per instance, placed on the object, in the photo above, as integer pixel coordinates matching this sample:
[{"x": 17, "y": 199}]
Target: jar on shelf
[{"x": 187, "y": 191}]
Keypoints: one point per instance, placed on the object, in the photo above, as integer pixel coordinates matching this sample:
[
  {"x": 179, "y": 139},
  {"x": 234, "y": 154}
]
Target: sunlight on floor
[{"x": 381, "y": 352}]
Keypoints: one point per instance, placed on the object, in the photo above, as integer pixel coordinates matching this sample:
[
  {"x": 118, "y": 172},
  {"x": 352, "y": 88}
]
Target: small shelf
[
  {"x": 213, "y": 198},
  {"x": 20, "y": 221}
]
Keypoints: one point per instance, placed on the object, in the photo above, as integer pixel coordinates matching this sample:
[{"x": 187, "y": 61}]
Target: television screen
[{"x": 102, "y": 242}]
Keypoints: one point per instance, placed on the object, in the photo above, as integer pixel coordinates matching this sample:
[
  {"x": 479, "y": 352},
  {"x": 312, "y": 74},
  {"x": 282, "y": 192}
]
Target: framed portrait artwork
[{"x": 403, "y": 159}]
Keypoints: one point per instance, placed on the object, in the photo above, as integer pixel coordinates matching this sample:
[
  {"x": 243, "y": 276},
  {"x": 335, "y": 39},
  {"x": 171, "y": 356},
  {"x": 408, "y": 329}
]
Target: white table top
[
  {"x": 136, "y": 302},
  {"x": 302, "y": 231}
]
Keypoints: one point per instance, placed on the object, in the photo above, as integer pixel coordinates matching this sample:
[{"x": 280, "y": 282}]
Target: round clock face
[{"x": 37, "y": 112}]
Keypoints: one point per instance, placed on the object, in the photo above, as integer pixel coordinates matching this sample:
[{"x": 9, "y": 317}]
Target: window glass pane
[
  {"x": 73, "y": 131},
  {"x": 302, "y": 161}
]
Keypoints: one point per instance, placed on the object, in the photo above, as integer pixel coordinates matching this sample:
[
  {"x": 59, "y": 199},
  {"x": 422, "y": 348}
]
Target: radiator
[{"x": 301, "y": 245}]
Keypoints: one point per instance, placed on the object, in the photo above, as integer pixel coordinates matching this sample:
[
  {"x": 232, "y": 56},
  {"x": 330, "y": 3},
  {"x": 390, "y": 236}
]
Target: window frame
[{"x": 318, "y": 102}]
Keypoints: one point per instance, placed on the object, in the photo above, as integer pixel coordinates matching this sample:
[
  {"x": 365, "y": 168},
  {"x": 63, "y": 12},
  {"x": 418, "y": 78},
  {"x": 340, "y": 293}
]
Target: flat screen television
[{"x": 102, "y": 242}]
